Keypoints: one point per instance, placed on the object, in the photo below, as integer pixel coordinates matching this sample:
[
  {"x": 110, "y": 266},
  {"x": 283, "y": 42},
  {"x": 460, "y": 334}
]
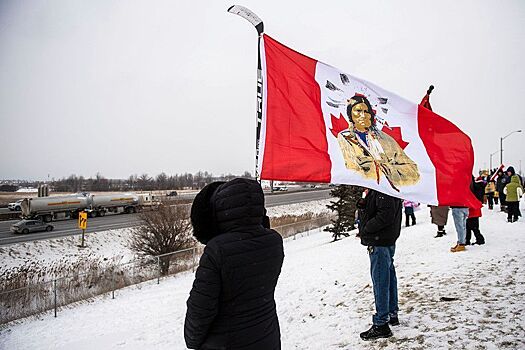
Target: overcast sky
[{"x": 132, "y": 87}]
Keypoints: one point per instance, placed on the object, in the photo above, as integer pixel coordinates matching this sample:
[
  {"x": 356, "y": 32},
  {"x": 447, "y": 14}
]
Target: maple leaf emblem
[
  {"x": 395, "y": 133},
  {"x": 338, "y": 124}
]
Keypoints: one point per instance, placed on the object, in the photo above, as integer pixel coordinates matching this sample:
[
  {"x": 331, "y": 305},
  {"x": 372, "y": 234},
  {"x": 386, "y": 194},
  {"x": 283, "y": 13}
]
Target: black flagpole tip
[{"x": 430, "y": 89}]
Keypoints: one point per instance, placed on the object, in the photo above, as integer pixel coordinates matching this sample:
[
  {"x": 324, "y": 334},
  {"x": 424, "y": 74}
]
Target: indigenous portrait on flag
[
  {"x": 371, "y": 152},
  {"x": 319, "y": 124}
]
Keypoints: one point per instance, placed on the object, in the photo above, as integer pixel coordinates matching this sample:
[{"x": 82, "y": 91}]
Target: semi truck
[{"x": 50, "y": 208}]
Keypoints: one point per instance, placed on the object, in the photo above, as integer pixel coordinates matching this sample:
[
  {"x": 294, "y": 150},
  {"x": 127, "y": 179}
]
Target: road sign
[{"x": 82, "y": 220}]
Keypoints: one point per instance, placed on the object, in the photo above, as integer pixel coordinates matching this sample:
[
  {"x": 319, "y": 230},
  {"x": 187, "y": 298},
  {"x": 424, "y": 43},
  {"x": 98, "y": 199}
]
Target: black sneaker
[
  {"x": 439, "y": 234},
  {"x": 376, "y": 332},
  {"x": 394, "y": 321}
]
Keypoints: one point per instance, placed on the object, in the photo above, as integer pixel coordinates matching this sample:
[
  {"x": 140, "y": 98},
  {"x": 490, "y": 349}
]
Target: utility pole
[
  {"x": 493, "y": 153},
  {"x": 501, "y": 145}
]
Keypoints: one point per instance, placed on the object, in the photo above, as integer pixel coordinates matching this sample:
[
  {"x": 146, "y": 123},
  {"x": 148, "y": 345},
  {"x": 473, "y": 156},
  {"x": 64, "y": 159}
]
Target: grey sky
[{"x": 124, "y": 87}]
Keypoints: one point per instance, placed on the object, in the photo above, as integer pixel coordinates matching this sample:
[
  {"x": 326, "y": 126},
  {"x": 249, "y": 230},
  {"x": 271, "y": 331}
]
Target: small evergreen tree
[{"x": 345, "y": 207}]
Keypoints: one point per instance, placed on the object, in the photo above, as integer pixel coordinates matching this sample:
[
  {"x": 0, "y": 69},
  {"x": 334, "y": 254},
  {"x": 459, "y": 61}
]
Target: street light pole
[
  {"x": 501, "y": 145},
  {"x": 493, "y": 153}
]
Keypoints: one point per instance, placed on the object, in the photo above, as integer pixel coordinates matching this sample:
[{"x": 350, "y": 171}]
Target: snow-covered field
[
  {"x": 324, "y": 298},
  {"x": 111, "y": 244}
]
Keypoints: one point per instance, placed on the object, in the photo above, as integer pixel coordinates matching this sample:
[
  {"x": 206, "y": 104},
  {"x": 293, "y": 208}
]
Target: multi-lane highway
[{"x": 69, "y": 227}]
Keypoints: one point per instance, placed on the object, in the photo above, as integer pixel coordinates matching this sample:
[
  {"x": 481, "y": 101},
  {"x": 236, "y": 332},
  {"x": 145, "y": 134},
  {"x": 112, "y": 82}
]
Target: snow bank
[
  {"x": 110, "y": 244},
  {"x": 324, "y": 298}
]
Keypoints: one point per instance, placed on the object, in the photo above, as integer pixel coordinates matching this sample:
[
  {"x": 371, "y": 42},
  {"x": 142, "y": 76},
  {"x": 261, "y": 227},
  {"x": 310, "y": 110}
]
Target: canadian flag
[{"x": 322, "y": 125}]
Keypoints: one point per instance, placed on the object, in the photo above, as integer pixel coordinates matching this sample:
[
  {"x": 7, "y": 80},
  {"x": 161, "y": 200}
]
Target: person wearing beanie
[
  {"x": 511, "y": 172},
  {"x": 231, "y": 304}
]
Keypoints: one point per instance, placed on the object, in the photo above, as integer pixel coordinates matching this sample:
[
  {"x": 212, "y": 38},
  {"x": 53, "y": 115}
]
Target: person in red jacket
[
  {"x": 477, "y": 187},
  {"x": 473, "y": 226}
]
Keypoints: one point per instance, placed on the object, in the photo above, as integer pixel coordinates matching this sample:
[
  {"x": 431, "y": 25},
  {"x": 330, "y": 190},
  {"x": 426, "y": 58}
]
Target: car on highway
[
  {"x": 26, "y": 226},
  {"x": 16, "y": 206}
]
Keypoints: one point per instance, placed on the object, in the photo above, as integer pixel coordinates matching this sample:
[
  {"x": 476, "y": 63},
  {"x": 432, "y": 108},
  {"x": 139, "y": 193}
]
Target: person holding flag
[
  {"x": 379, "y": 229},
  {"x": 395, "y": 148}
]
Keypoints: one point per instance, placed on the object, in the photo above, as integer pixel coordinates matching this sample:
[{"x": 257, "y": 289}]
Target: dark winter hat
[
  {"x": 511, "y": 170},
  {"x": 201, "y": 215}
]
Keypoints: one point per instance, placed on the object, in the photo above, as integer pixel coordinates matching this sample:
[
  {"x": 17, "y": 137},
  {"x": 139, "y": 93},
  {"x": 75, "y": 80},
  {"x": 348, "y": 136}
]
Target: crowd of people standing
[{"x": 497, "y": 186}]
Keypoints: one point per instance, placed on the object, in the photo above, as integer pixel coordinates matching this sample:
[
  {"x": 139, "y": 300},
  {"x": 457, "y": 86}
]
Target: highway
[{"x": 116, "y": 221}]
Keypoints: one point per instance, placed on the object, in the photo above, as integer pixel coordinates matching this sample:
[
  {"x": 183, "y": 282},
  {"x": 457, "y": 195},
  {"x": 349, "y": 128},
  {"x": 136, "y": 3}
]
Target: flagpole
[
  {"x": 259, "y": 107},
  {"x": 259, "y": 26}
]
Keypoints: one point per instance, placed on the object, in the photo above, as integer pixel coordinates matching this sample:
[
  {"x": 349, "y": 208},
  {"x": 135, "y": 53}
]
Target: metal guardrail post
[
  {"x": 55, "y": 290},
  {"x": 158, "y": 276},
  {"x": 113, "y": 284}
]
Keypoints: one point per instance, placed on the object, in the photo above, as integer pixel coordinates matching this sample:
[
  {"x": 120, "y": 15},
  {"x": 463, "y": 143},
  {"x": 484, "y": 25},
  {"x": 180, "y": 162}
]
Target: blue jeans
[
  {"x": 460, "y": 216},
  {"x": 384, "y": 281}
]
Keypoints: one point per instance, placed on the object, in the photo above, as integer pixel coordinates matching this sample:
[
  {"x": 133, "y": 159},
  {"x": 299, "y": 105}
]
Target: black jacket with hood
[
  {"x": 231, "y": 304},
  {"x": 380, "y": 223}
]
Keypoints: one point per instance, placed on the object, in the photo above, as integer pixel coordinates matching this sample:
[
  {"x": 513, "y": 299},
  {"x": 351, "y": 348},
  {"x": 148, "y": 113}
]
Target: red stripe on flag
[
  {"x": 295, "y": 146},
  {"x": 445, "y": 141}
]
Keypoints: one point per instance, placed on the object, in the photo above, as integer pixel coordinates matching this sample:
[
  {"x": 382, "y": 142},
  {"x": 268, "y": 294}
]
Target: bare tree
[
  {"x": 162, "y": 181},
  {"x": 162, "y": 231},
  {"x": 144, "y": 182}
]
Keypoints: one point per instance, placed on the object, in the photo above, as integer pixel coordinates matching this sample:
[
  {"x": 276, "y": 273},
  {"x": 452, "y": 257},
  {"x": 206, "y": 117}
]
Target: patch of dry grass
[{"x": 29, "y": 289}]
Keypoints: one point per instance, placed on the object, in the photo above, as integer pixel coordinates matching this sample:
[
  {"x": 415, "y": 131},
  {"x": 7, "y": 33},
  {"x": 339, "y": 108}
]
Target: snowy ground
[
  {"x": 111, "y": 244},
  {"x": 324, "y": 298}
]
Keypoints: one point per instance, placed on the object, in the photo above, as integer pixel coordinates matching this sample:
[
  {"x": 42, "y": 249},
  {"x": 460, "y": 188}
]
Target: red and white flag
[{"x": 322, "y": 125}]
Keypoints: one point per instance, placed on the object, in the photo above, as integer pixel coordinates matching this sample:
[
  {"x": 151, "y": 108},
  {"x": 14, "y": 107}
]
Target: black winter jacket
[
  {"x": 231, "y": 304},
  {"x": 380, "y": 222}
]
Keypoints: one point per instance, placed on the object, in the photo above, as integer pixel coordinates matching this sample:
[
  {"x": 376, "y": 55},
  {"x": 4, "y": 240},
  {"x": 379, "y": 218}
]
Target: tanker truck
[
  {"x": 100, "y": 204},
  {"x": 50, "y": 208}
]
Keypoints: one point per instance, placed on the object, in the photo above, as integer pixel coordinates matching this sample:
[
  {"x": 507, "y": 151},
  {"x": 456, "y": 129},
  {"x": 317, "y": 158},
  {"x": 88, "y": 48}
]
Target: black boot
[
  {"x": 376, "y": 332},
  {"x": 394, "y": 321}
]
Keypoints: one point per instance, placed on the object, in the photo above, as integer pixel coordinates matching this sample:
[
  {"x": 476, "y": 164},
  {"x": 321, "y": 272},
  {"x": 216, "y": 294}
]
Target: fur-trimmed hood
[{"x": 222, "y": 207}]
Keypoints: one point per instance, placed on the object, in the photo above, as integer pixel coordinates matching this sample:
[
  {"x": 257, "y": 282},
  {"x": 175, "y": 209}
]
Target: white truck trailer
[{"x": 49, "y": 208}]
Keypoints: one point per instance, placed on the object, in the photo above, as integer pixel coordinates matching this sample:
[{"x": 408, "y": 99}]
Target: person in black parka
[
  {"x": 501, "y": 182},
  {"x": 379, "y": 230},
  {"x": 231, "y": 303}
]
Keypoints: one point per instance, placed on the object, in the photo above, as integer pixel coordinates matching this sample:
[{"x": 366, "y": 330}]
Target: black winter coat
[
  {"x": 380, "y": 223},
  {"x": 501, "y": 182},
  {"x": 231, "y": 304}
]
